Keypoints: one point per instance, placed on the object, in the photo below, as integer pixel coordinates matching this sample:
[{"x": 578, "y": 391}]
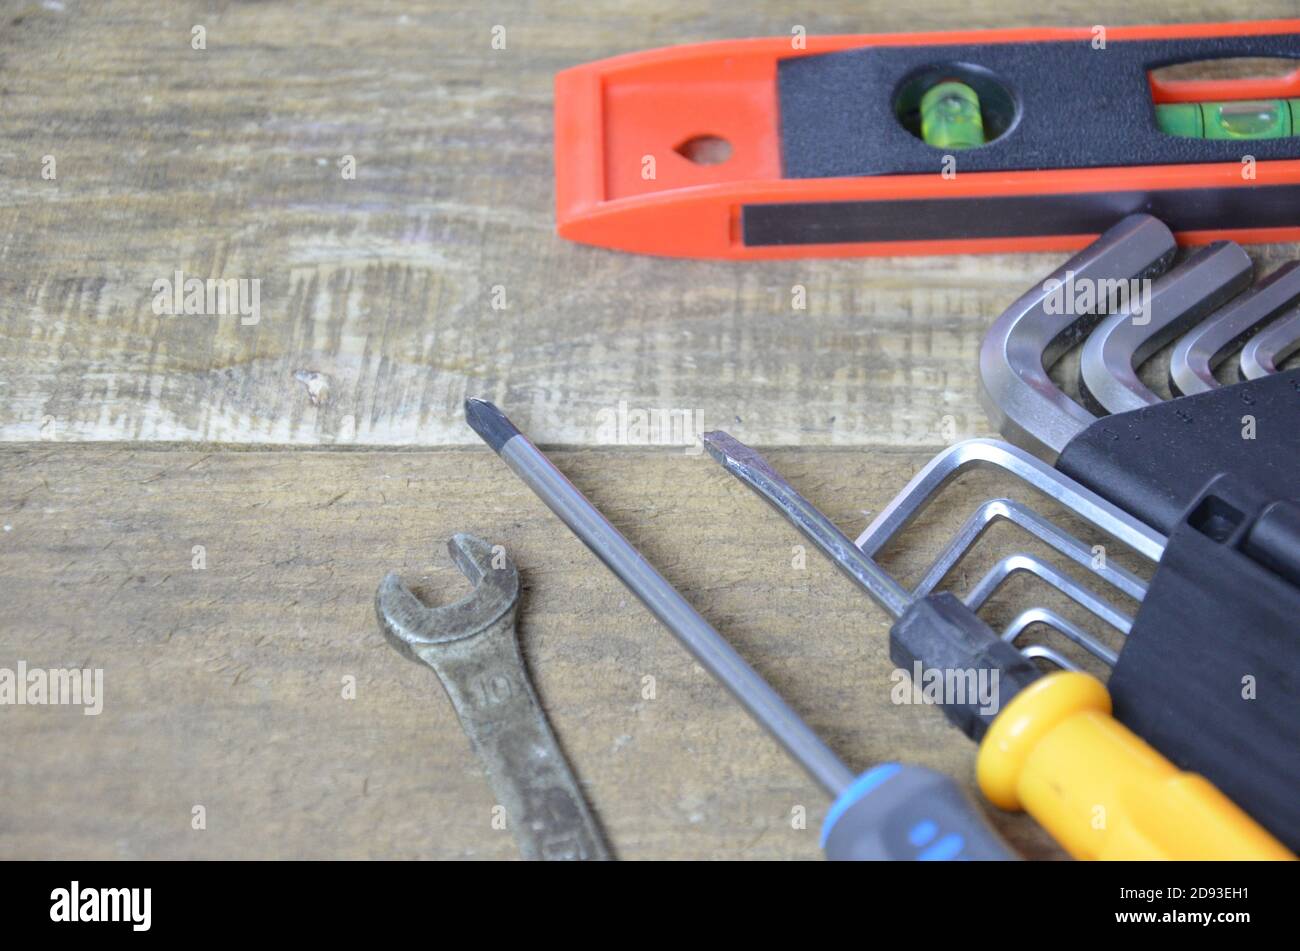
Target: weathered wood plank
[
  {"x": 375, "y": 298},
  {"x": 223, "y": 686}
]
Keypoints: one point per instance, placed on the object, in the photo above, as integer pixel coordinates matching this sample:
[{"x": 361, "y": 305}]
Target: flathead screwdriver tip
[
  {"x": 492, "y": 425},
  {"x": 715, "y": 443},
  {"x": 735, "y": 455}
]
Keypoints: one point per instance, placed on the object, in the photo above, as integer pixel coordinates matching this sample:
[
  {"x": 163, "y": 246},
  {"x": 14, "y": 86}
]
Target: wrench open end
[
  {"x": 408, "y": 623},
  {"x": 474, "y": 557}
]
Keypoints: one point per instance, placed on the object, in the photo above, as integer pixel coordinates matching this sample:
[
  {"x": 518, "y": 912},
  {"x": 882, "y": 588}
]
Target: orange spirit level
[{"x": 927, "y": 143}]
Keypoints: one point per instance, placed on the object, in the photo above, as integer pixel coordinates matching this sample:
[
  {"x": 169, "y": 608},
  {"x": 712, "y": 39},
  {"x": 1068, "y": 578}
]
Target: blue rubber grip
[{"x": 908, "y": 813}]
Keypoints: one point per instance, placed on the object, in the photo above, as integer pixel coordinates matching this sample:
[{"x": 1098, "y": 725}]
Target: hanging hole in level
[{"x": 705, "y": 149}]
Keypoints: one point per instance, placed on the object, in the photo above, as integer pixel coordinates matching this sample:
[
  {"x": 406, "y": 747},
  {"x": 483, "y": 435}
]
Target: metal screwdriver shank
[
  {"x": 705, "y": 644},
  {"x": 753, "y": 470}
]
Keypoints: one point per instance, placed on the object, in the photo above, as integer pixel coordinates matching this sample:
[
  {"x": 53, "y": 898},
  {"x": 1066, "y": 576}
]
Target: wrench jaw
[
  {"x": 409, "y": 625},
  {"x": 473, "y": 647},
  {"x": 484, "y": 566}
]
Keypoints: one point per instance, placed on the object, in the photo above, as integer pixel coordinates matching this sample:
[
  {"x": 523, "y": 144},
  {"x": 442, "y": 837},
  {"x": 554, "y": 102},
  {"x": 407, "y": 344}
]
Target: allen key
[
  {"x": 1042, "y": 615},
  {"x": 1019, "y": 397},
  {"x": 1209, "y": 343},
  {"x": 1000, "y": 573},
  {"x": 1035, "y": 651},
  {"x": 1029, "y": 409},
  {"x": 927, "y": 483},
  {"x": 1175, "y": 465},
  {"x": 1271, "y": 346},
  {"x": 940, "y": 632},
  {"x": 949, "y": 463},
  {"x": 1149, "y": 457},
  {"x": 1108, "y": 380},
  {"x": 1042, "y": 529},
  {"x": 1086, "y": 599},
  {"x": 1058, "y": 539}
]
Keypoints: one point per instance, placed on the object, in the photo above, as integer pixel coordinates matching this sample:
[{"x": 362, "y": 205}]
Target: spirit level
[{"x": 927, "y": 143}]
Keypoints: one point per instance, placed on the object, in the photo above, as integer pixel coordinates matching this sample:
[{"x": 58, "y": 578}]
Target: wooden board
[
  {"x": 376, "y": 293},
  {"x": 223, "y": 686}
]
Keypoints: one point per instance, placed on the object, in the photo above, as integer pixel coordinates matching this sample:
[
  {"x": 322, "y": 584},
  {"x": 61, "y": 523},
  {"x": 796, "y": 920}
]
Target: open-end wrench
[{"x": 473, "y": 648}]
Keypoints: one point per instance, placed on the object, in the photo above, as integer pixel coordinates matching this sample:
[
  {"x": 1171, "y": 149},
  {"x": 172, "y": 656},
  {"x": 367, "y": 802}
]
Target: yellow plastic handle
[{"x": 1102, "y": 792}]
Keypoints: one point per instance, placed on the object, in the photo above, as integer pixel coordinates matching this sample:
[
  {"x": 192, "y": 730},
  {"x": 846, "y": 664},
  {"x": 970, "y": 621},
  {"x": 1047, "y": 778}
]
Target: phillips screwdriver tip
[{"x": 492, "y": 425}]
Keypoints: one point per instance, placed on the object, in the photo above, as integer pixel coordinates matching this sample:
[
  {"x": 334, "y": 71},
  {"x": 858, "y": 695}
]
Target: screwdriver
[
  {"x": 1049, "y": 745},
  {"x": 893, "y": 811}
]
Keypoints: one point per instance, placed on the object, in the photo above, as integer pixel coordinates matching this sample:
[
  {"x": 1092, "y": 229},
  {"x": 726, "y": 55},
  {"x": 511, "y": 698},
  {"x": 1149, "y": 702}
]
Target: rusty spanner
[{"x": 473, "y": 648}]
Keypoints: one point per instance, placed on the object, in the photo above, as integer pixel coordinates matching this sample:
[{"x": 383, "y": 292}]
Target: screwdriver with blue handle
[
  {"x": 1050, "y": 745},
  {"x": 893, "y": 811}
]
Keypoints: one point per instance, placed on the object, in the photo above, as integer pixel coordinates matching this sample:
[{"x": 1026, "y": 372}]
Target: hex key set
[{"x": 1205, "y": 485}]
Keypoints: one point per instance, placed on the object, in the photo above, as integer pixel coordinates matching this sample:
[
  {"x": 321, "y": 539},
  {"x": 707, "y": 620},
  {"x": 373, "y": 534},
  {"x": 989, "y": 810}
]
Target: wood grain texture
[
  {"x": 376, "y": 293},
  {"x": 223, "y": 686}
]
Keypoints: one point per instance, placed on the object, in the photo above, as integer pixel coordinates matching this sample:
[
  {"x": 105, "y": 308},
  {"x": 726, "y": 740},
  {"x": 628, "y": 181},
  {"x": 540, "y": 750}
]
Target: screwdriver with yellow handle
[
  {"x": 1051, "y": 746},
  {"x": 1099, "y": 789}
]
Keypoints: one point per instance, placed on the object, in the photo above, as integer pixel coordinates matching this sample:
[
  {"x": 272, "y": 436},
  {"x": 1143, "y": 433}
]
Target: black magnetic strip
[{"x": 939, "y": 219}]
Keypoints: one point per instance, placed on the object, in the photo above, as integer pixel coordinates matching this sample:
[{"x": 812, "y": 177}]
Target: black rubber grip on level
[
  {"x": 1210, "y": 672},
  {"x": 1154, "y": 462}
]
